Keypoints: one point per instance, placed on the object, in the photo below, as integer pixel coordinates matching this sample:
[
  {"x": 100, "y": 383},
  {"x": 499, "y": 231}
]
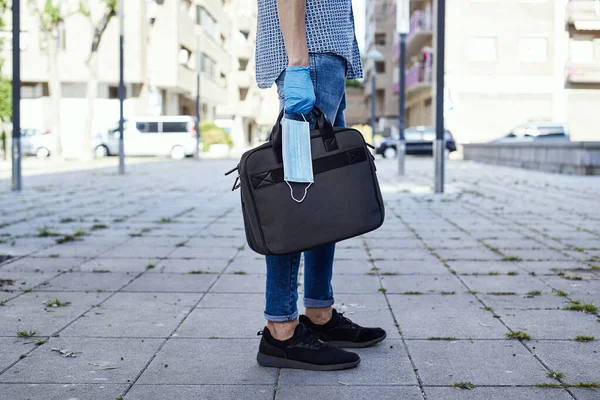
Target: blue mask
[{"x": 297, "y": 158}]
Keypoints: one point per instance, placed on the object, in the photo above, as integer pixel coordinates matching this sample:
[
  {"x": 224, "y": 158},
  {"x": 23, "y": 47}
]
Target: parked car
[
  {"x": 36, "y": 142},
  {"x": 419, "y": 140},
  {"x": 536, "y": 131},
  {"x": 150, "y": 136}
]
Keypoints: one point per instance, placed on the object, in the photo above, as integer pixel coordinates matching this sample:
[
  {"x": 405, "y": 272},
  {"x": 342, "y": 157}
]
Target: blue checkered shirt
[{"x": 329, "y": 29}]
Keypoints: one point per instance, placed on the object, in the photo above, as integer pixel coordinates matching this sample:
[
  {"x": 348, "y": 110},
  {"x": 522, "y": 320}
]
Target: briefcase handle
[{"x": 322, "y": 124}]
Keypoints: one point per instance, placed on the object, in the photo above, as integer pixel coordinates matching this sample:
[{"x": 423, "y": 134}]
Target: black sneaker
[
  {"x": 342, "y": 332},
  {"x": 303, "y": 351}
]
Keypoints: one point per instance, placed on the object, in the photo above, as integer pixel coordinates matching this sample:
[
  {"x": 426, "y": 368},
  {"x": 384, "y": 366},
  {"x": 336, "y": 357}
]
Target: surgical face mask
[{"x": 297, "y": 158}]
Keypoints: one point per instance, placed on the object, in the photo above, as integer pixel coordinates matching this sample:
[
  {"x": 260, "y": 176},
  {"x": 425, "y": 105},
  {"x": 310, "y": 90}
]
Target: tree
[
  {"x": 5, "y": 89},
  {"x": 98, "y": 26},
  {"x": 51, "y": 15}
]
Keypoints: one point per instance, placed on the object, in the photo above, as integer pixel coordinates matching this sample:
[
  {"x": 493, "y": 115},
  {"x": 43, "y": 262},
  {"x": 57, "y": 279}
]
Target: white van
[{"x": 173, "y": 136}]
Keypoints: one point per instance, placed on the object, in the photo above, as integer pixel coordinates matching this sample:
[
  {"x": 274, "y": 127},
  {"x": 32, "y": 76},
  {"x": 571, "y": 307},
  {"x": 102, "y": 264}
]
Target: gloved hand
[{"x": 298, "y": 90}]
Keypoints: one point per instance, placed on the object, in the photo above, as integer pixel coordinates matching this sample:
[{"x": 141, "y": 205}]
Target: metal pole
[
  {"x": 439, "y": 99},
  {"x": 198, "y": 67},
  {"x": 402, "y": 106},
  {"x": 373, "y": 100},
  {"x": 17, "y": 183},
  {"x": 121, "y": 86}
]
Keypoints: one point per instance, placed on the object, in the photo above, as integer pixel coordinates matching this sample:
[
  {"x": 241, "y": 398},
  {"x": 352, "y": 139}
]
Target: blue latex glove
[{"x": 298, "y": 90}]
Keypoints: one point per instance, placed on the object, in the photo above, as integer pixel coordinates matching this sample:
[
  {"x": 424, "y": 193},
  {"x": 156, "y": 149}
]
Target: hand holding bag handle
[{"x": 322, "y": 125}]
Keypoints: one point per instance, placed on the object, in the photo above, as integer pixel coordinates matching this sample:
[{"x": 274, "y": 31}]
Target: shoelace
[{"x": 345, "y": 321}]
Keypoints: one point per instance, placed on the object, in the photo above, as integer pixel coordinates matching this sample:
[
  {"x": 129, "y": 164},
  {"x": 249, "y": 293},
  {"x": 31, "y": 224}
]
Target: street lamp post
[
  {"x": 121, "y": 86},
  {"x": 375, "y": 56},
  {"x": 439, "y": 146},
  {"x": 403, "y": 27},
  {"x": 198, "y": 70},
  {"x": 17, "y": 184}
]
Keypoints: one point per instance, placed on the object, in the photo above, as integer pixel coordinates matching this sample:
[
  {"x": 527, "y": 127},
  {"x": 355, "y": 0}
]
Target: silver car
[
  {"x": 537, "y": 131},
  {"x": 37, "y": 142},
  {"x": 150, "y": 136}
]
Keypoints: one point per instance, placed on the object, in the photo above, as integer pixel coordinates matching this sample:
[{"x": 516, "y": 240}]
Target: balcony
[
  {"x": 421, "y": 30},
  {"x": 583, "y": 73},
  {"x": 418, "y": 78},
  {"x": 584, "y": 14}
]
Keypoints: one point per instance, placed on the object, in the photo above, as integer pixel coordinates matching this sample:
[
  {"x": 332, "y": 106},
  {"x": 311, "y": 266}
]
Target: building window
[
  {"x": 482, "y": 49},
  {"x": 533, "y": 50},
  {"x": 113, "y": 92},
  {"x": 243, "y": 64},
  {"x": 207, "y": 21},
  {"x": 243, "y": 93},
  {"x": 185, "y": 56},
  {"x": 380, "y": 67},
  {"x": 582, "y": 51},
  {"x": 380, "y": 39},
  {"x": 208, "y": 65}
]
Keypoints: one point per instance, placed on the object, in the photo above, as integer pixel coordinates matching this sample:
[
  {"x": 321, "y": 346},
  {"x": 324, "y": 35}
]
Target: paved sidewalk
[{"x": 154, "y": 294}]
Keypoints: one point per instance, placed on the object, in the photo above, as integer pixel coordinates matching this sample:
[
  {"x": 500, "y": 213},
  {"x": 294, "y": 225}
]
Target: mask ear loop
[
  {"x": 306, "y": 188},
  {"x": 292, "y": 192}
]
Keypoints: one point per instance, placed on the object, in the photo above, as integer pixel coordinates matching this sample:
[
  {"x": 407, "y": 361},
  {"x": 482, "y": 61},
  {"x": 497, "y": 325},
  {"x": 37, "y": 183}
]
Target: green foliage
[
  {"x": 354, "y": 83},
  {"x": 51, "y": 14},
  {"x": 212, "y": 134}
]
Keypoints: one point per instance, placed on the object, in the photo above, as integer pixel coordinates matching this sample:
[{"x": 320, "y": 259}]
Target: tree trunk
[
  {"x": 87, "y": 153},
  {"x": 55, "y": 89},
  {"x": 92, "y": 88}
]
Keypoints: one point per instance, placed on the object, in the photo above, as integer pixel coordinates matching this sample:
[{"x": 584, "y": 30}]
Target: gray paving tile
[
  {"x": 97, "y": 360},
  {"x": 18, "y": 281},
  {"x": 339, "y": 392},
  {"x": 201, "y": 392},
  {"x": 457, "y": 316},
  {"x": 250, "y": 266},
  {"x": 546, "y": 300},
  {"x": 549, "y": 267},
  {"x": 78, "y": 250},
  {"x": 432, "y": 267},
  {"x": 224, "y": 253},
  {"x": 208, "y": 361},
  {"x": 179, "y": 283},
  {"x": 28, "y": 312},
  {"x": 367, "y": 310},
  {"x": 118, "y": 264},
  {"x": 403, "y": 254},
  {"x": 476, "y": 253},
  {"x": 501, "y": 283},
  {"x": 221, "y": 323},
  {"x": 245, "y": 301},
  {"x": 422, "y": 283},
  {"x": 385, "y": 364},
  {"x": 46, "y": 265},
  {"x": 11, "y": 349},
  {"x": 358, "y": 284},
  {"x": 442, "y": 363},
  {"x": 98, "y": 391},
  {"x": 88, "y": 281},
  {"x": 180, "y": 266},
  {"x": 127, "y": 251},
  {"x": 586, "y": 394},
  {"x": 463, "y": 267},
  {"x": 134, "y": 315},
  {"x": 496, "y": 393},
  {"x": 578, "y": 361},
  {"x": 551, "y": 324},
  {"x": 537, "y": 254},
  {"x": 251, "y": 283}
]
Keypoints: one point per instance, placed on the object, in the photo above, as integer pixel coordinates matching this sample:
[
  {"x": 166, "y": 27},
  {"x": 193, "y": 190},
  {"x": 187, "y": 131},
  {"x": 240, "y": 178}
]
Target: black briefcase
[{"x": 343, "y": 202}]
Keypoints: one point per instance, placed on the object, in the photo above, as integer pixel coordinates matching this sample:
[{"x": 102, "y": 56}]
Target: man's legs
[{"x": 328, "y": 73}]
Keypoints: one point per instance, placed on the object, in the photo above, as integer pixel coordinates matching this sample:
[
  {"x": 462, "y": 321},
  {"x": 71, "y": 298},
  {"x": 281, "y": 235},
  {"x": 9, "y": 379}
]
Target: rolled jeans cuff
[
  {"x": 312, "y": 303},
  {"x": 281, "y": 318}
]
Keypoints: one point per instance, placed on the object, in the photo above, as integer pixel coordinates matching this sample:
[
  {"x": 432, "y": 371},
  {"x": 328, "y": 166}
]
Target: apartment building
[
  {"x": 380, "y": 30},
  {"x": 507, "y": 62},
  {"x": 162, "y": 39},
  {"x": 250, "y": 111}
]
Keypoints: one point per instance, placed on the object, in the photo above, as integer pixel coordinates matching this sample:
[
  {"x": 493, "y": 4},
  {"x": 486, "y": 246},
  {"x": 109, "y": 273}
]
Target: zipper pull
[
  {"x": 231, "y": 171},
  {"x": 236, "y": 184}
]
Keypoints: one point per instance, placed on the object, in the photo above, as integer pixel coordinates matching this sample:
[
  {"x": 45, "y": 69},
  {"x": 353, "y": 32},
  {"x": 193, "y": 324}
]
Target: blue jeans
[{"x": 328, "y": 73}]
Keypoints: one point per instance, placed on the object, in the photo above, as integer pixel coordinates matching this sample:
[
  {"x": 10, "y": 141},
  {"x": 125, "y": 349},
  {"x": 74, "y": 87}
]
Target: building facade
[
  {"x": 164, "y": 42},
  {"x": 507, "y": 62},
  {"x": 380, "y": 30}
]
